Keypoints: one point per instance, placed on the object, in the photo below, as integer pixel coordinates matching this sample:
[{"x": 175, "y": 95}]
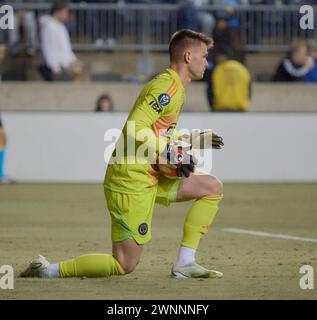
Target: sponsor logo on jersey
[{"x": 156, "y": 107}]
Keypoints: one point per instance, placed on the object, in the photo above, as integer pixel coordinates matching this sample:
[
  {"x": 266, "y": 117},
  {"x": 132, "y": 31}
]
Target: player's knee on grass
[
  {"x": 127, "y": 253},
  {"x": 128, "y": 265}
]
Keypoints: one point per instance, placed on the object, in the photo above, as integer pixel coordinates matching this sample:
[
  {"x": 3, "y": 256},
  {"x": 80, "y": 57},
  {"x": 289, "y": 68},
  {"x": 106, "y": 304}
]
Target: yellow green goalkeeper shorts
[{"x": 131, "y": 214}]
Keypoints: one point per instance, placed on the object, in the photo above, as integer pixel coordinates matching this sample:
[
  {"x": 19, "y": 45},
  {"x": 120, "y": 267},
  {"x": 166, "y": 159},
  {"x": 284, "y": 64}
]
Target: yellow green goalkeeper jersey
[{"x": 156, "y": 110}]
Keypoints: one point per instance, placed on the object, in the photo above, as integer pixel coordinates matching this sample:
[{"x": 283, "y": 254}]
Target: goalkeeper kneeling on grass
[{"x": 132, "y": 189}]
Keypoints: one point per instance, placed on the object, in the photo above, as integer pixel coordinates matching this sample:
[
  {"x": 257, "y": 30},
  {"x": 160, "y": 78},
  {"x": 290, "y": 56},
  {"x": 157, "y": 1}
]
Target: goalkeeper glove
[
  {"x": 180, "y": 155},
  {"x": 207, "y": 140}
]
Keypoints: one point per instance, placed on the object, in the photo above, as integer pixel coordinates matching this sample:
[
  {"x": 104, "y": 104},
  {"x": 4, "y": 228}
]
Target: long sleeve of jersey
[
  {"x": 148, "y": 111},
  {"x": 144, "y": 117}
]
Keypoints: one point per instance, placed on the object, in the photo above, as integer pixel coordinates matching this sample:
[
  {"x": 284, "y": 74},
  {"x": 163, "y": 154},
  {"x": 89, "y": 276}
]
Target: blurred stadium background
[{"x": 56, "y": 144}]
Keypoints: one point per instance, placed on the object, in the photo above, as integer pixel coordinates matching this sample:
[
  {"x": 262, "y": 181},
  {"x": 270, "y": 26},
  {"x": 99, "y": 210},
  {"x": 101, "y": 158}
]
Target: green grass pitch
[{"x": 61, "y": 221}]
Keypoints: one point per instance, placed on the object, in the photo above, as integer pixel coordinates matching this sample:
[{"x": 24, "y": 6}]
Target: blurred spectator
[
  {"x": 228, "y": 84},
  {"x": 229, "y": 7},
  {"x": 312, "y": 51},
  {"x": 23, "y": 37},
  {"x": 104, "y": 104},
  {"x": 3, "y": 142},
  {"x": 227, "y": 38},
  {"x": 60, "y": 62},
  {"x": 300, "y": 2},
  {"x": 191, "y": 16},
  {"x": 296, "y": 65},
  {"x": 95, "y": 1},
  {"x": 206, "y": 20},
  {"x": 2, "y": 56},
  {"x": 270, "y": 2}
]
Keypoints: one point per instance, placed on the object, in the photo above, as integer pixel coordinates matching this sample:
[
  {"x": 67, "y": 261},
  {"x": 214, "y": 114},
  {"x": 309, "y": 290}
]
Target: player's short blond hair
[{"x": 185, "y": 38}]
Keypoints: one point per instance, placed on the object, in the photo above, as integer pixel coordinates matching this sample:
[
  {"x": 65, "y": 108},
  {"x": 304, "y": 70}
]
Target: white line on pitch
[{"x": 269, "y": 235}]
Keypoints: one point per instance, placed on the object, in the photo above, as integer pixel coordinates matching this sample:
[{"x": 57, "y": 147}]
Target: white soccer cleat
[
  {"x": 195, "y": 271},
  {"x": 36, "y": 267}
]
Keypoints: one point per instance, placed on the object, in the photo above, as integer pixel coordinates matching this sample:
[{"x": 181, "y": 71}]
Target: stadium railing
[{"x": 149, "y": 26}]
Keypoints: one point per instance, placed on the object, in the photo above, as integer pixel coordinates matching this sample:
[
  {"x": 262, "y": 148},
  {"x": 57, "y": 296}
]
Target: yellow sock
[
  {"x": 198, "y": 220},
  {"x": 91, "y": 265}
]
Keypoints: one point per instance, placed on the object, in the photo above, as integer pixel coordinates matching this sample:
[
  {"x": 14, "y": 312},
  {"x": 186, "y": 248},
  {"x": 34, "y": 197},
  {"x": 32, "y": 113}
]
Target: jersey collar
[{"x": 175, "y": 76}]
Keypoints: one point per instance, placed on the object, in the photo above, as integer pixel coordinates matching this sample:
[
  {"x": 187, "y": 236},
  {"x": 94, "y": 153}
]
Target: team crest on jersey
[
  {"x": 143, "y": 228},
  {"x": 164, "y": 99}
]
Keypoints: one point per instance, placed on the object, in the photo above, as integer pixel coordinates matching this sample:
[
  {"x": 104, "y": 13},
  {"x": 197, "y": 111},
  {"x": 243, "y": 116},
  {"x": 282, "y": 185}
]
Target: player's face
[{"x": 198, "y": 62}]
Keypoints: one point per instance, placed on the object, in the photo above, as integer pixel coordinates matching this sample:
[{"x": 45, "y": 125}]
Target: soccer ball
[{"x": 177, "y": 154}]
